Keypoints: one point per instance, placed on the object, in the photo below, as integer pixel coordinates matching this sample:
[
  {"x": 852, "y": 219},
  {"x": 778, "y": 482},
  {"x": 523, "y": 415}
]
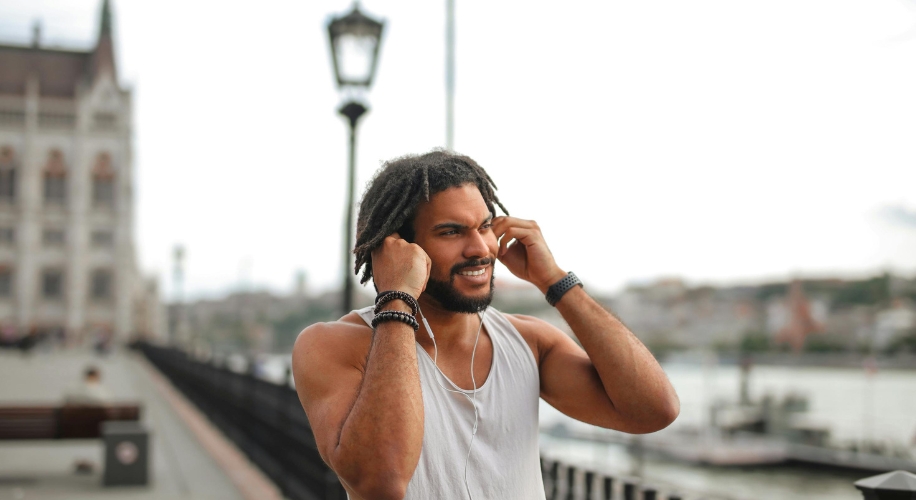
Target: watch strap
[{"x": 558, "y": 289}]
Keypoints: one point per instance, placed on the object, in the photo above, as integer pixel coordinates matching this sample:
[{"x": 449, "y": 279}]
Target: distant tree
[
  {"x": 873, "y": 291},
  {"x": 753, "y": 341},
  {"x": 765, "y": 292},
  {"x": 287, "y": 328},
  {"x": 902, "y": 344},
  {"x": 825, "y": 342}
]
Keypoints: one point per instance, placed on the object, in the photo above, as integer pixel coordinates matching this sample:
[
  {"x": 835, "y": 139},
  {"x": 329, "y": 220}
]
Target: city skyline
[{"x": 716, "y": 142}]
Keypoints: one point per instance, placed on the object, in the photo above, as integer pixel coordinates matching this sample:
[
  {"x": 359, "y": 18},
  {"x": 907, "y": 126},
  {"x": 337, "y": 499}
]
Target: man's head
[{"x": 402, "y": 189}]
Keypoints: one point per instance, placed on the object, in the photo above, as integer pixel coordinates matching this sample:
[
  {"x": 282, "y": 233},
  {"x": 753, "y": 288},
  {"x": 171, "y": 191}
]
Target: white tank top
[{"x": 504, "y": 463}]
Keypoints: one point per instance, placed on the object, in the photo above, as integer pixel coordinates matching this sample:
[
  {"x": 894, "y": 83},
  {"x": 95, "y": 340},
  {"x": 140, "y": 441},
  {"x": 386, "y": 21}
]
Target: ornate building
[{"x": 67, "y": 259}]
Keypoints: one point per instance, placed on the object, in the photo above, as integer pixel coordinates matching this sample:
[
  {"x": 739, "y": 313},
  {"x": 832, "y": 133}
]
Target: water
[{"x": 852, "y": 403}]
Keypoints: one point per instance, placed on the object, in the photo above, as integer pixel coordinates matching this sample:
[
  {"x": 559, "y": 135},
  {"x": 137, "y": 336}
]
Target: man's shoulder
[
  {"x": 333, "y": 337},
  {"x": 525, "y": 324}
]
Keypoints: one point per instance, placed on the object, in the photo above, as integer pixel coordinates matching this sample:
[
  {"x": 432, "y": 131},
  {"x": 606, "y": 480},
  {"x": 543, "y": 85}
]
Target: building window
[
  {"x": 7, "y": 236},
  {"x": 103, "y": 192},
  {"x": 56, "y": 120},
  {"x": 55, "y": 190},
  {"x": 101, "y": 284},
  {"x": 52, "y": 284},
  {"x": 102, "y": 238},
  {"x": 105, "y": 121},
  {"x": 12, "y": 117},
  {"x": 103, "y": 182},
  {"x": 7, "y": 174},
  {"x": 6, "y": 281},
  {"x": 53, "y": 237},
  {"x": 55, "y": 179}
]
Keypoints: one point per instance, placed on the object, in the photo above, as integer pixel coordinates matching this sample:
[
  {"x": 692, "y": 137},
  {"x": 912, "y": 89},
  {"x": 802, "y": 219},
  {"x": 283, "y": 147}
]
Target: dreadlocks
[{"x": 390, "y": 202}]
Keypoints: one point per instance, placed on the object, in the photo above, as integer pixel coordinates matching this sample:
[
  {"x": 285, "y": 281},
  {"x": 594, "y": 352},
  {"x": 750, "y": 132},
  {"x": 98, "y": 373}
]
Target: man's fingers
[{"x": 521, "y": 235}]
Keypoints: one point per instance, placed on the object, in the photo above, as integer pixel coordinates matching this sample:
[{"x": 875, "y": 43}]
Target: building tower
[{"x": 67, "y": 258}]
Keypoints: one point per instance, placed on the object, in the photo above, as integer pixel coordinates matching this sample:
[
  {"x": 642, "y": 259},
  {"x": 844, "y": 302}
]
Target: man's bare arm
[
  {"x": 615, "y": 383},
  {"x": 369, "y": 425}
]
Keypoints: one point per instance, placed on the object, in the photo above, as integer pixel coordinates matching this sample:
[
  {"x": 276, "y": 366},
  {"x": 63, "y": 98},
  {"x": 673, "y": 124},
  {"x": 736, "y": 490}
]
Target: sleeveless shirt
[{"x": 505, "y": 461}]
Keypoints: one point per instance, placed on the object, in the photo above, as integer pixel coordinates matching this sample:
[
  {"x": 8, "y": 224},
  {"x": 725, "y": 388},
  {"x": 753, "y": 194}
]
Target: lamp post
[{"x": 355, "y": 39}]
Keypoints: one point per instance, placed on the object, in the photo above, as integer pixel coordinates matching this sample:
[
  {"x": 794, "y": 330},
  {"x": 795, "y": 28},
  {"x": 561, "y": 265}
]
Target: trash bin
[{"x": 126, "y": 454}]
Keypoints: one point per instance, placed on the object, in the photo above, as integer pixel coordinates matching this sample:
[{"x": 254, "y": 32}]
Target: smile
[{"x": 473, "y": 273}]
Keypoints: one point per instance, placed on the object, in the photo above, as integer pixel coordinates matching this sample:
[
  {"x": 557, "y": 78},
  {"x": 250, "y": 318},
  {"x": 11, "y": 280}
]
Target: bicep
[
  {"x": 327, "y": 384},
  {"x": 569, "y": 381}
]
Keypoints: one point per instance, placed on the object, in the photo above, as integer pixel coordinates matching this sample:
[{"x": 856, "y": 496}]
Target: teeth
[{"x": 473, "y": 273}]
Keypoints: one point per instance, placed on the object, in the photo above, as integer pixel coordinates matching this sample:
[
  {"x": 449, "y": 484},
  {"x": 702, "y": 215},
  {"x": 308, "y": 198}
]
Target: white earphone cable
[{"x": 473, "y": 399}]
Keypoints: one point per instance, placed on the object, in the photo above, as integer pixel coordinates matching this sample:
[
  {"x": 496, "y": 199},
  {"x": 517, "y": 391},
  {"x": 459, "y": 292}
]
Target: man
[
  {"x": 399, "y": 411},
  {"x": 91, "y": 392}
]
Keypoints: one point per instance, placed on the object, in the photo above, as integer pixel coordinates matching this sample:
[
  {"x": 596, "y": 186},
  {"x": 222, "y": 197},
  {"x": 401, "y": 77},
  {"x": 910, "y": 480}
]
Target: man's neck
[{"x": 449, "y": 327}]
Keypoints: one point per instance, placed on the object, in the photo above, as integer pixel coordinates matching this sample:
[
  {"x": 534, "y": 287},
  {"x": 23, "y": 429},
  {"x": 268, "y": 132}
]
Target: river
[{"x": 852, "y": 403}]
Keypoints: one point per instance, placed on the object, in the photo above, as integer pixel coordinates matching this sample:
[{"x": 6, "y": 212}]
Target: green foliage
[
  {"x": 226, "y": 333},
  {"x": 840, "y": 293},
  {"x": 286, "y": 329},
  {"x": 902, "y": 344},
  {"x": 765, "y": 292},
  {"x": 825, "y": 343},
  {"x": 872, "y": 291},
  {"x": 755, "y": 341}
]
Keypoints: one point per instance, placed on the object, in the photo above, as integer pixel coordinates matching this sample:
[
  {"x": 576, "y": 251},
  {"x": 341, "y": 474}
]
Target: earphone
[{"x": 473, "y": 399}]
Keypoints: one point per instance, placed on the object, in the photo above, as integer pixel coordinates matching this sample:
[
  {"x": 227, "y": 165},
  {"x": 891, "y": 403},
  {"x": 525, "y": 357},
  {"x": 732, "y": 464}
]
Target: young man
[{"x": 400, "y": 411}]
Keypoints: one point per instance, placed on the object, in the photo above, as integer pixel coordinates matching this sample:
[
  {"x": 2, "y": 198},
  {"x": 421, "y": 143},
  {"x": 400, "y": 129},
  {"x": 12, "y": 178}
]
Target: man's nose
[{"x": 477, "y": 246}]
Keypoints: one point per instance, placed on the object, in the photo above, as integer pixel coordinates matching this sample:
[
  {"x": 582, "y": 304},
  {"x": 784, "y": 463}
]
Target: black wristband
[
  {"x": 556, "y": 290},
  {"x": 403, "y": 317},
  {"x": 384, "y": 297}
]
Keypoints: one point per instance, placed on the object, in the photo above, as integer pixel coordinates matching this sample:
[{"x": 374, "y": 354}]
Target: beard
[{"x": 451, "y": 299}]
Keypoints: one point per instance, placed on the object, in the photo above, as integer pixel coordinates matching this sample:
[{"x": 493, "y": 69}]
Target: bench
[
  {"x": 126, "y": 440},
  {"x": 61, "y": 421}
]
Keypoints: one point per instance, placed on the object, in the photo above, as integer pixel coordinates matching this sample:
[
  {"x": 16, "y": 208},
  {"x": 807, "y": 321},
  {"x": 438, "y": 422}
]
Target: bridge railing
[{"x": 266, "y": 421}]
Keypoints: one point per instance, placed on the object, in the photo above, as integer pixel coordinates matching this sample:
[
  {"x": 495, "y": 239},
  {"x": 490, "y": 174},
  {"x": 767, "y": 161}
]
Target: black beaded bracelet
[
  {"x": 385, "y": 297},
  {"x": 403, "y": 317}
]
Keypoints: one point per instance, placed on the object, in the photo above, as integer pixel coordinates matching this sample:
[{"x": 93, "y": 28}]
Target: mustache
[{"x": 471, "y": 263}]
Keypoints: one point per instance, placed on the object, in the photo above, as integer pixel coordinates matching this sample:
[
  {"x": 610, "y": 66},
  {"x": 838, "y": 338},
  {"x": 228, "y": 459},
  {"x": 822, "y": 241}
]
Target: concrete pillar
[{"x": 28, "y": 200}]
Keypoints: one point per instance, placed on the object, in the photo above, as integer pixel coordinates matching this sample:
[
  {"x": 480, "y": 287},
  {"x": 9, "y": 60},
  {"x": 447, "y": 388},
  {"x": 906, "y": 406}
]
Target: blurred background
[{"x": 735, "y": 182}]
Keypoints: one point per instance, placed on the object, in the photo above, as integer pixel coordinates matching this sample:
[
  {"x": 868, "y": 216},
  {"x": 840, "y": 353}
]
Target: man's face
[{"x": 454, "y": 228}]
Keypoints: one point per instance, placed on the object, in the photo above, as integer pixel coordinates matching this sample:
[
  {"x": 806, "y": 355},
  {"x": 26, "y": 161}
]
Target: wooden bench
[
  {"x": 117, "y": 425},
  {"x": 61, "y": 421}
]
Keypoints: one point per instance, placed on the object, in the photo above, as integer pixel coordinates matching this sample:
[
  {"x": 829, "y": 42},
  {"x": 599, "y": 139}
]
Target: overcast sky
[{"x": 719, "y": 141}]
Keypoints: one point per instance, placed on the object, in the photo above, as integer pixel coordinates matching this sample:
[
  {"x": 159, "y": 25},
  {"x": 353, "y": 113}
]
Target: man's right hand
[{"x": 400, "y": 265}]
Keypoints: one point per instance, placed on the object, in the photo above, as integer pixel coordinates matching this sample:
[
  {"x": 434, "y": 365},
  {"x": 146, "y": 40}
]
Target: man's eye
[{"x": 488, "y": 225}]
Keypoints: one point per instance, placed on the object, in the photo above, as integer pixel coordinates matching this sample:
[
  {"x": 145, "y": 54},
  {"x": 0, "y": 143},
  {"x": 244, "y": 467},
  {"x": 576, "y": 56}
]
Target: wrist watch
[{"x": 558, "y": 289}]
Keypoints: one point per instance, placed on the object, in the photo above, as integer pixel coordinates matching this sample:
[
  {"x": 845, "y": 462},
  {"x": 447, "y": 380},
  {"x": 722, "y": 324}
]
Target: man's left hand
[{"x": 527, "y": 256}]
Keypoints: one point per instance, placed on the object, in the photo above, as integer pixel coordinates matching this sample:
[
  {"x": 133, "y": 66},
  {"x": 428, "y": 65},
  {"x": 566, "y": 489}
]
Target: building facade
[{"x": 67, "y": 258}]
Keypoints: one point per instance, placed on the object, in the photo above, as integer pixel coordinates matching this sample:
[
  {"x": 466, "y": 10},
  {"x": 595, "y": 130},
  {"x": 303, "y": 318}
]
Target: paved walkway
[{"x": 190, "y": 458}]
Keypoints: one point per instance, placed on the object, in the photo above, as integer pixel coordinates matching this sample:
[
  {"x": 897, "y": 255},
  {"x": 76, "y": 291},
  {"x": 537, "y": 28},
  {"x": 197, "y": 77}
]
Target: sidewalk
[{"x": 182, "y": 443}]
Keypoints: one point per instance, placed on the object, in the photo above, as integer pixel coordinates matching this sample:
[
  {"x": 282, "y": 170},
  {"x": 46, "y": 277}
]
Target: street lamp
[{"x": 355, "y": 39}]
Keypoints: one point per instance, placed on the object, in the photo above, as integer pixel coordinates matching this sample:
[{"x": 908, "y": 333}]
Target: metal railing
[{"x": 266, "y": 421}]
